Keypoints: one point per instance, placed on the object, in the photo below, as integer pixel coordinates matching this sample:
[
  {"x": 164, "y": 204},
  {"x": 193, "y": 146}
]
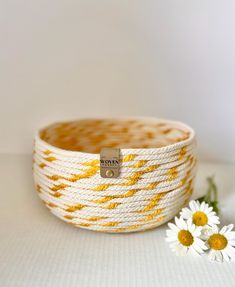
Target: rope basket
[{"x": 157, "y": 165}]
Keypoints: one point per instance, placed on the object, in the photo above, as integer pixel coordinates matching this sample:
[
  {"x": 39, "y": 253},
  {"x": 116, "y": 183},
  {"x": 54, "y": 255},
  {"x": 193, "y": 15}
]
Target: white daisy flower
[
  {"x": 222, "y": 244},
  {"x": 184, "y": 237},
  {"x": 201, "y": 214}
]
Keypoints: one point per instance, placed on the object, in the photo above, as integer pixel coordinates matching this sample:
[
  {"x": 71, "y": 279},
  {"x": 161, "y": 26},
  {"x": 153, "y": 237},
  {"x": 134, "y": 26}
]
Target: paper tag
[{"x": 109, "y": 162}]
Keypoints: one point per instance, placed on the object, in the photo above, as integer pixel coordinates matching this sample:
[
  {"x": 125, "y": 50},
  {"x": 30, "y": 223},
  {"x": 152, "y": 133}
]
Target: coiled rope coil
[{"x": 157, "y": 172}]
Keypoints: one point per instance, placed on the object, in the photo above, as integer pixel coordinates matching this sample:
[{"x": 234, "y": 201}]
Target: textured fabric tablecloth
[{"x": 37, "y": 249}]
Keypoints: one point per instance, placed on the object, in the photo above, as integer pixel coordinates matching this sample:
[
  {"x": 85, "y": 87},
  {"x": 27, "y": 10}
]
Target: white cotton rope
[{"x": 157, "y": 172}]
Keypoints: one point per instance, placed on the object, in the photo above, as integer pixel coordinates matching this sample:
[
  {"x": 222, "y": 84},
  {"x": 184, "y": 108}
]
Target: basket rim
[{"x": 123, "y": 151}]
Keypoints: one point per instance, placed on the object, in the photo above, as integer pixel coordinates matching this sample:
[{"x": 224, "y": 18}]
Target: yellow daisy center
[
  {"x": 217, "y": 241},
  {"x": 200, "y": 218},
  {"x": 185, "y": 237}
]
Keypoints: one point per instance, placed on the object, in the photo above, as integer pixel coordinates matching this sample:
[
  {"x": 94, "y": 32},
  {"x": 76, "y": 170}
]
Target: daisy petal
[
  {"x": 173, "y": 227},
  {"x": 193, "y": 251},
  {"x": 218, "y": 256},
  {"x": 197, "y": 248},
  {"x": 211, "y": 255},
  {"x": 193, "y": 206},
  {"x": 231, "y": 242},
  {"x": 229, "y": 228},
  {"x": 186, "y": 213},
  {"x": 197, "y": 231},
  {"x": 225, "y": 256},
  {"x": 170, "y": 232},
  {"x": 180, "y": 250},
  {"x": 178, "y": 223},
  {"x": 201, "y": 243},
  {"x": 183, "y": 223},
  {"x": 230, "y": 251},
  {"x": 170, "y": 239},
  {"x": 223, "y": 230},
  {"x": 184, "y": 250},
  {"x": 230, "y": 235},
  {"x": 202, "y": 207},
  {"x": 214, "y": 219},
  {"x": 174, "y": 245},
  {"x": 209, "y": 209}
]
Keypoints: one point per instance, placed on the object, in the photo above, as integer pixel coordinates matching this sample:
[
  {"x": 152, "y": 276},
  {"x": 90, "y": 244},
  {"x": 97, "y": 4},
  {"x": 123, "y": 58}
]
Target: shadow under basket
[{"x": 155, "y": 165}]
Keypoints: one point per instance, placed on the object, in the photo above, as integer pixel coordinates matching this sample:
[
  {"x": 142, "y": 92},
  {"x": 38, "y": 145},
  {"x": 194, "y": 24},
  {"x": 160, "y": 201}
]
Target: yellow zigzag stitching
[
  {"x": 87, "y": 174},
  {"x": 153, "y": 202}
]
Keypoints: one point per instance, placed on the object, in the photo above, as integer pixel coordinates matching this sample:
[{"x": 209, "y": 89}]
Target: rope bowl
[{"x": 156, "y": 172}]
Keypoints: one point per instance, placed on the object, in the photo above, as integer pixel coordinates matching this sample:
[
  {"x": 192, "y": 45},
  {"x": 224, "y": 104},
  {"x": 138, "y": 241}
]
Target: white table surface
[{"x": 37, "y": 249}]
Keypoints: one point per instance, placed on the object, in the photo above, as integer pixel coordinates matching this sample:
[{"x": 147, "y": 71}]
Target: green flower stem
[{"x": 211, "y": 196}]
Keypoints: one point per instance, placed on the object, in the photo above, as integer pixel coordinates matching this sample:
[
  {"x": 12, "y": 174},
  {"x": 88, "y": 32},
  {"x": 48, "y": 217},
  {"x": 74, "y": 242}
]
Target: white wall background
[{"x": 67, "y": 59}]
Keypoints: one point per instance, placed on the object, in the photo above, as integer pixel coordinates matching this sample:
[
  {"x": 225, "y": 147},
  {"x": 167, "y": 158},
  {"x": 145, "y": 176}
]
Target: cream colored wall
[{"x": 69, "y": 59}]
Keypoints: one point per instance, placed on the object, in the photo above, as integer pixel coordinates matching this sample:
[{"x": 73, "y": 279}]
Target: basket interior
[{"x": 91, "y": 135}]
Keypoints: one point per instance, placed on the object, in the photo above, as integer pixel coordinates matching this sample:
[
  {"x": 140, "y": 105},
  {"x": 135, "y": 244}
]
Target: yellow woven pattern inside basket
[{"x": 92, "y": 135}]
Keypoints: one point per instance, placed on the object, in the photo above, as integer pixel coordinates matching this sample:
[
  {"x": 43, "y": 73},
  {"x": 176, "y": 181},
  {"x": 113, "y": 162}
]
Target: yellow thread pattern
[
  {"x": 87, "y": 174},
  {"x": 47, "y": 152},
  {"x": 42, "y": 165},
  {"x": 139, "y": 163},
  {"x": 84, "y": 224},
  {"x": 151, "y": 186},
  {"x": 91, "y": 163},
  {"x": 50, "y": 158},
  {"x": 56, "y": 194},
  {"x": 59, "y": 187},
  {"x": 131, "y": 227},
  {"x": 101, "y": 187},
  {"x": 69, "y": 217},
  {"x": 74, "y": 208},
  {"x": 112, "y": 205},
  {"x": 153, "y": 202},
  {"x": 103, "y": 199},
  {"x": 153, "y": 214},
  {"x": 111, "y": 224},
  {"x": 96, "y": 218},
  {"x": 172, "y": 173},
  {"x": 182, "y": 152},
  {"x": 129, "y": 157},
  {"x": 52, "y": 205}
]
